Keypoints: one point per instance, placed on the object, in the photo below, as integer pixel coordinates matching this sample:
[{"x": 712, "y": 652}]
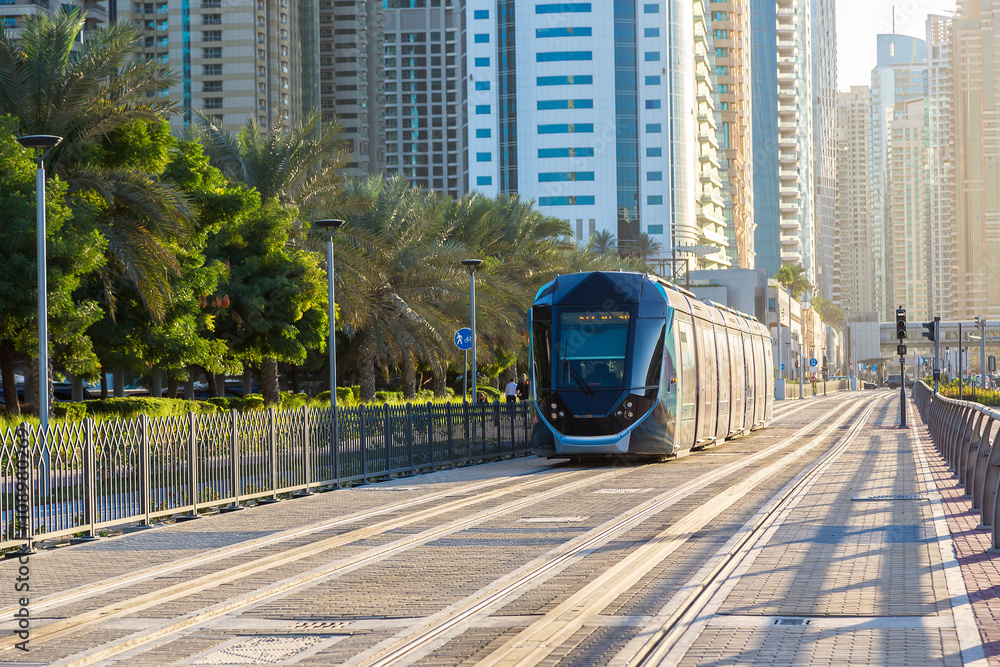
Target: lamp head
[
  {"x": 329, "y": 225},
  {"x": 39, "y": 141},
  {"x": 472, "y": 263}
]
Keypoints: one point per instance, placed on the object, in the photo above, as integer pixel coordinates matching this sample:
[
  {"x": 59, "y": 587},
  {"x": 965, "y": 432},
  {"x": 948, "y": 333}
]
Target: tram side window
[
  {"x": 688, "y": 369},
  {"x": 542, "y": 335},
  {"x": 647, "y": 352}
]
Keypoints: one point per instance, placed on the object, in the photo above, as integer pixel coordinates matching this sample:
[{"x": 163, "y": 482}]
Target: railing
[
  {"x": 962, "y": 433},
  {"x": 80, "y": 478}
]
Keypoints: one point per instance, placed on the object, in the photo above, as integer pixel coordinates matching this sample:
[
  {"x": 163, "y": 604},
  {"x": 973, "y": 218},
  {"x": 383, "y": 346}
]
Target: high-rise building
[
  {"x": 587, "y": 108},
  {"x": 897, "y": 77},
  {"x": 232, "y": 60},
  {"x": 977, "y": 157},
  {"x": 909, "y": 249},
  {"x": 940, "y": 177},
  {"x": 13, "y": 12},
  {"x": 351, "y": 77},
  {"x": 781, "y": 72},
  {"x": 709, "y": 204},
  {"x": 424, "y": 94},
  {"x": 824, "y": 72},
  {"x": 854, "y": 275},
  {"x": 729, "y": 21}
]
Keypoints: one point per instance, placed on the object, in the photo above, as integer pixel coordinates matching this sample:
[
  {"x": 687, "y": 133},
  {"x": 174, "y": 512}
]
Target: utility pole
[{"x": 901, "y": 350}]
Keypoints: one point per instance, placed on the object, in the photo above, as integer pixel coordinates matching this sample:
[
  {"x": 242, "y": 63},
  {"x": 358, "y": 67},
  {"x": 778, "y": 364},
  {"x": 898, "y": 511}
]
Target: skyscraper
[
  {"x": 909, "y": 234},
  {"x": 897, "y": 77},
  {"x": 854, "y": 275},
  {"x": 824, "y": 72},
  {"x": 587, "y": 109},
  {"x": 939, "y": 185},
  {"x": 977, "y": 157}
]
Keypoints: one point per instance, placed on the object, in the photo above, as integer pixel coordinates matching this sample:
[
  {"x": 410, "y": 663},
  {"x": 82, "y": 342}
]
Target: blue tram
[{"x": 630, "y": 364}]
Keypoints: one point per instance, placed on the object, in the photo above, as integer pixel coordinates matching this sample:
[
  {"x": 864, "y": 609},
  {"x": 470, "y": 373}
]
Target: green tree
[
  {"x": 646, "y": 247},
  {"x": 829, "y": 312},
  {"x": 792, "y": 278},
  {"x": 74, "y": 249},
  {"x": 603, "y": 242}
]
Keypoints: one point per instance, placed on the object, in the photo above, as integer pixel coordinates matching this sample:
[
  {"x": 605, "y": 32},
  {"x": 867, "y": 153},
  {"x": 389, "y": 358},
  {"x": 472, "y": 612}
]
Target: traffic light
[
  {"x": 929, "y": 334},
  {"x": 901, "y": 323}
]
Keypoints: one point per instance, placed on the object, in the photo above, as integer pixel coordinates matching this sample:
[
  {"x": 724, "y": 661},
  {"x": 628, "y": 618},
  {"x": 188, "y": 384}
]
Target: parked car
[{"x": 893, "y": 381}]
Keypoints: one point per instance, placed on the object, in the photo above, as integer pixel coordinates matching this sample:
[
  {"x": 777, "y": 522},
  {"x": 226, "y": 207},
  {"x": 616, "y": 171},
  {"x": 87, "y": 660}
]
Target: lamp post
[
  {"x": 331, "y": 226},
  {"x": 41, "y": 143},
  {"x": 472, "y": 264}
]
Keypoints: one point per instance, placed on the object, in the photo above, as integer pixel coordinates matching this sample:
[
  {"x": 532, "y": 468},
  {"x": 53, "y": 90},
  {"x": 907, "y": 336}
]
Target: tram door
[
  {"x": 708, "y": 383},
  {"x": 739, "y": 381},
  {"x": 751, "y": 392},
  {"x": 688, "y": 381},
  {"x": 725, "y": 381}
]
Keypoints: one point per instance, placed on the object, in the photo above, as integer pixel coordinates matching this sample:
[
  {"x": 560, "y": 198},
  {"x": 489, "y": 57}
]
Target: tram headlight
[
  {"x": 553, "y": 406},
  {"x": 561, "y": 414},
  {"x": 619, "y": 413},
  {"x": 630, "y": 414},
  {"x": 628, "y": 404}
]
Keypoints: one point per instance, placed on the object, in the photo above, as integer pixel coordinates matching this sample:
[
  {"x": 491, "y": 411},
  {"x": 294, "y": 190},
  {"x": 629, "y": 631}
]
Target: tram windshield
[{"x": 591, "y": 349}]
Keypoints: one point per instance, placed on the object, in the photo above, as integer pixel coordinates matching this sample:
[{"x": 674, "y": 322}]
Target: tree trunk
[
  {"x": 247, "y": 381},
  {"x": 11, "y": 402},
  {"x": 119, "y": 377},
  {"x": 296, "y": 387},
  {"x": 30, "y": 383},
  {"x": 213, "y": 387},
  {"x": 104, "y": 384},
  {"x": 269, "y": 380},
  {"x": 366, "y": 369},
  {"x": 439, "y": 382},
  {"x": 156, "y": 385},
  {"x": 172, "y": 386},
  {"x": 409, "y": 376}
]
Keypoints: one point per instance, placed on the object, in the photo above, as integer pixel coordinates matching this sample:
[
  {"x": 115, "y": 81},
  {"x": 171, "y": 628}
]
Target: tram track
[
  {"x": 63, "y": 627},
  {"x": 545, "y": 635}
]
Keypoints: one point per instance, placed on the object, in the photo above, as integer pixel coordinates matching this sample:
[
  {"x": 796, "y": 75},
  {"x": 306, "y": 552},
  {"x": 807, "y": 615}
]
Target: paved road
[{"x": 829, "y": 538}]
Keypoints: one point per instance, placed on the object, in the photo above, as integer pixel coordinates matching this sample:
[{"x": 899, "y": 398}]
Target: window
[
  {"x": 654, "y": 152},
  {"x": 586, "y": 151},
  {"x": 482, "y": 38},
  {"x": 481, "y": 14},
  {"x": 482, "y": 85},
  {"x": 566, "y": 128},
  {"x": 211, "y": 19},
  {"x": 482, "y": 62},
  {"x": 559, "y": 8},
  {"x": 571, "y": 80},
  {"x": 652, "y": 80},
  {"x": 213, "y": 102},
  {"x": 651, "y": 32},
  {"x": 484, "y": 133},
  {"x": 654, "y": 200},
  {"x": 723, "y": 70},
  {"x": 484, "y": 157},
  {"x": 719, "y": 34},
  {"x": 556, "y": 176},
  {"x": 214, "y": 52},
  {"x": 587, "y": 200},
  {"x": 654, "y": 229},
  {"x": 651, "y": 9},
  {"x": 653, "y": 128},
  {"x": 482, "y": 109},
  {"x": 544, "y": 105},
  {"x": 211, "y": 86},
  {"x": 211, "y": 36},
  {"x": 652, "y": 104},
  {"x": 721, "y": 52},
  {"x": 484, "y": 180},
  {"x": 541, "y": 33},
  {"x": 560, "y": 56},
  {"x": 652, "y": 56},
  {"x": 654, "y": 175},
  {"x": 211, "y": 70}
]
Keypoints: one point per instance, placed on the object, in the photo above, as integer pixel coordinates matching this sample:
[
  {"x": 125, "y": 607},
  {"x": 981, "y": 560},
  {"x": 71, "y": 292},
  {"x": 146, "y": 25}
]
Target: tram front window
[{"x": 591, "y": 350}]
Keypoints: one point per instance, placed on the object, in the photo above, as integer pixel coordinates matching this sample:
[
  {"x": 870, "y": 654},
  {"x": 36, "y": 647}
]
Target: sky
[{"x": 859, "y": 21}]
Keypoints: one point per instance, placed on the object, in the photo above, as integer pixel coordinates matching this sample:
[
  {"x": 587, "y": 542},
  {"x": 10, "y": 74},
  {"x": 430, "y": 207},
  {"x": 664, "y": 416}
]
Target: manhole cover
[
  {"x": 899, "y": 496},
  {"x": 623, "y": 491},
  {"x": 269, "y": 650},
  {"x": 791, "y": 621},
  {"x": 386, "y": 488},
  {"x": 555, "y": 519}
]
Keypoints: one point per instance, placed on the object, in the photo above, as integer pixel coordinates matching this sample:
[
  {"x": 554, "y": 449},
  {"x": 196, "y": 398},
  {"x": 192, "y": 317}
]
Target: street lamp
[
  {"x": 472, "y": 264},
  {"x": 331, "y": 227},
  {"x": 41, "y": 143}
]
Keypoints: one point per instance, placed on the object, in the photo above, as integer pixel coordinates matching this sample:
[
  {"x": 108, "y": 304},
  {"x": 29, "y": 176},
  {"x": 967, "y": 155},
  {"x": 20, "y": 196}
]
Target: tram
[{"x": 628, "y": 364}]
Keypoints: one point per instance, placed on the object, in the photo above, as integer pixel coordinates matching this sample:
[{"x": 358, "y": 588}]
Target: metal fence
[
  {"x": 80, "y": 478},
  {"x": 968, "y": 437}
]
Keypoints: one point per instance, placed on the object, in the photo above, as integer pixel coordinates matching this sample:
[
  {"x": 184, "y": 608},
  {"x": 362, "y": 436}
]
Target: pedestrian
[
  {"x": 524, "y": 388},
  {"x": 511, "y": 391}
]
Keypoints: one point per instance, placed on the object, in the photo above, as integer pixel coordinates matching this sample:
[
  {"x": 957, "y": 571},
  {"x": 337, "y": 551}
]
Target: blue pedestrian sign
[
  {"x": 463, "y": 339},
  {"x": 872, "y": 367},
  {"x": 923, "y": 360},
  {"x": 813, "y": 363},
  {"x": 782, "y": 367}
]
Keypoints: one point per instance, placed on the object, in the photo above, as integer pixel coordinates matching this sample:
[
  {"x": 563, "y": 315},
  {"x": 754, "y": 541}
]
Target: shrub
[
  {"x": 70, "y": 411},
  {"x": 248, "y": 402},
  {"x": 221, "y": 402},
  {"x": 424, "y": 395},
  {"x": 292, "y": 401},
  {"x": 345, "y": 394},
  {"x": 132, "y": 406},
  {"x": 492, "y": 393}
]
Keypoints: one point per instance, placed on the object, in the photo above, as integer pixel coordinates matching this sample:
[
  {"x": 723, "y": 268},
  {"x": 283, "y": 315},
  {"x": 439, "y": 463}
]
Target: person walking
[
  {"x": 524, "y": 388},
  {"x": 511, "y": 391}
]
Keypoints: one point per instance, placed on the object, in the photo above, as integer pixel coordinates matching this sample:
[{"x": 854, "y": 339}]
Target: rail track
[{"x": 431, "y": 516}]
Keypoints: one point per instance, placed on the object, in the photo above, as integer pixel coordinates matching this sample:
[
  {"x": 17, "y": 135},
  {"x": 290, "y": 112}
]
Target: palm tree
[
  {"x": 603, "y": 242},
  {"x": 54, "y": 85},
  {"x": 792, "y": 278},
  {"x": 646, "y": 246}
]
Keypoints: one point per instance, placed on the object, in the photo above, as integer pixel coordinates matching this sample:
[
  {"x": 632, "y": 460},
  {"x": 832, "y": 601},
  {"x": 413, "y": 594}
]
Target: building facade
[
  {"x": 977, "y": 158},
  {"x": 824, "y": 68},
  {"x": 909, "y": 250}
]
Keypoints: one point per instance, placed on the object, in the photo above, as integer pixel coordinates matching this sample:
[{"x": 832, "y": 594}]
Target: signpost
[{"x": 463, "y": 341}]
